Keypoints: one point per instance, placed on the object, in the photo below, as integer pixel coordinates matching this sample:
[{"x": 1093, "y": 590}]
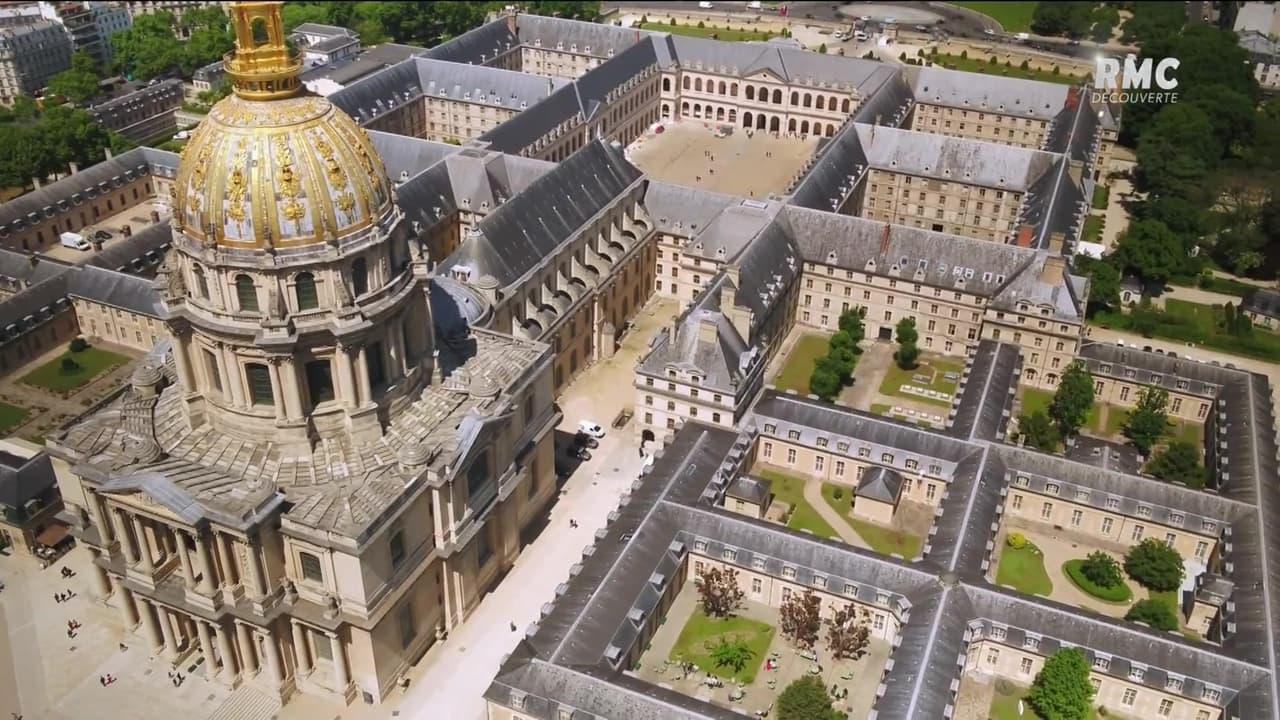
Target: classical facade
[
  {"x": 319, "y": 479},
  {"x": 146, "y": 114}
]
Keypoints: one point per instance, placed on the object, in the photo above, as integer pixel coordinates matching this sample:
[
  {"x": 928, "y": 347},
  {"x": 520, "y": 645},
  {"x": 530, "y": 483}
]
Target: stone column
[
  {"x": 229, "y": 669},
  {"x": 346, "y": 380},
  {"x": 272, "y": 651},
  {"x": 151, "y": 625},
  {"x": 362, "y": 376},
  {"x": 277, "y": 395},
  {"x": 227, "y": 559},
  {"x": 234, "y": 377},
  {"x": 395, "y": 347},
  {"x": 128, "y": 610},
  {"x": 100, "y": 519},
  {"x": 127, "y": 541},
  {"x": 292, "y": 391},
  {"x": 223, "y": 378},
  {"x": 184, "y": 557},
  {"x": 206, "y": 563},
  {"x": 248, "y": 652},
  {"x": 166, "y": 630},
  {"x": 182, "y": 361},
  {"x": 259, "y": 576},
  {"x": 206, "y": 647},
  {"x": 144, "y": 545},
  {"x": 101, "y": 582},
  {"x": 300, "y": 649},
  {"x": 339, "y": 662}
]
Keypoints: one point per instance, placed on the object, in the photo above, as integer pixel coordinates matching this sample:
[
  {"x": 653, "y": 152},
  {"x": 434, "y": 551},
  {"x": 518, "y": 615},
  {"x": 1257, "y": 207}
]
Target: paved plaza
[
  {"x": 751, "y": 163},
  {"x": 858, "y": 677}
]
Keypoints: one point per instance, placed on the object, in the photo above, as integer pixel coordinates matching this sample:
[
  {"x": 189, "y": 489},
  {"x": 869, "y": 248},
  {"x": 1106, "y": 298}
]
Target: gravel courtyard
[{"x": 751, "y": 166}]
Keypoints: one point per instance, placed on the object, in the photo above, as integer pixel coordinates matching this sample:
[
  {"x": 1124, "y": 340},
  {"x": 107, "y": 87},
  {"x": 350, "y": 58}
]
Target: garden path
[{"x": 813, "y": 494}]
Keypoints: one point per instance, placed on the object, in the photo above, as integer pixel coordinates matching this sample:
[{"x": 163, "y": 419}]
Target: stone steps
[{"x": 247, "y": 703}]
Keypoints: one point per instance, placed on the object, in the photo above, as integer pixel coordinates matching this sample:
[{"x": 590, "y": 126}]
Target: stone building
[
  {"x": 29, "y": 502},
  {"x": 324, "y": 44},
  {"x": 147, "y": 114},
  {"x": 322, "y": 477},
  {"x": 30, "y": 54}
]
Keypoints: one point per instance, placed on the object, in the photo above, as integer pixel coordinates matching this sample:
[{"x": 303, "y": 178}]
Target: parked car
[
  {"x": 102, "y": 235},
  {"x": 588, "y": 427},
  {"x": 581, "y": 440}
]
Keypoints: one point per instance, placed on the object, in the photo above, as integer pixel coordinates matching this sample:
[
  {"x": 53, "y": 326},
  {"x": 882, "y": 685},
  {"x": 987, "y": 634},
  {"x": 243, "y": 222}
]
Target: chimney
[
  {"x": 1025, "y": 235},
  {"x": 1055, "y": 243},
  {"x": 1054, "y": 270},
  {"x": 511, "y": 24},
  {"x": 1075, "y": 169},
  {"x": 707, "y": 330}
]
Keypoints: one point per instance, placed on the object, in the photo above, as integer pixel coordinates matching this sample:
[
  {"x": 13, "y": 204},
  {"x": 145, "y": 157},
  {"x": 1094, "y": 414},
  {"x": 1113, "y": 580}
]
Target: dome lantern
[{"x": 262, "y": 66}]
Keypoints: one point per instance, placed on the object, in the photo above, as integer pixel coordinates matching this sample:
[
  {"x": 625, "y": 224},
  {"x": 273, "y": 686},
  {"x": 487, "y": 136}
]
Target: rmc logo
[{"x": 1112, "y": 80}]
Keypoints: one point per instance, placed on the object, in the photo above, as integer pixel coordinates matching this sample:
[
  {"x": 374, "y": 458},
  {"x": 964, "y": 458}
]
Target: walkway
[
  {"x": 813, "y": 494},
  {"x": 1196, "y": 295}
]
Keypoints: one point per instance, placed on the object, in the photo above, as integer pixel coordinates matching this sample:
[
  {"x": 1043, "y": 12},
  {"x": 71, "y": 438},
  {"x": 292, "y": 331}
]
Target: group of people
[
  {"x": 176, "y": 678},
  {"x": 108, "y": 679},
  {"x": 64, "y": 596},
  {"x": 72, "y": 627}
]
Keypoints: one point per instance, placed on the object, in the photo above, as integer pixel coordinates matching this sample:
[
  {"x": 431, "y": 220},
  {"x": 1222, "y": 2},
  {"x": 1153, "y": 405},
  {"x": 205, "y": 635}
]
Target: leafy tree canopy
[
  {"x": 1149, "y": 420},
  {"x": 1150, "y": 250},
  {"x": 1179, "y": 462},
  {"x": 79, "y": 82},
  {"x": 1159, "y": 615},
  {"x": 1061, "y": 690},
  {"x": 1073, "y": 399},
  {"x": 805, "y": 699},
  {"x": 1155, "y": 565},
  {"x": 1038, "y": 431}
]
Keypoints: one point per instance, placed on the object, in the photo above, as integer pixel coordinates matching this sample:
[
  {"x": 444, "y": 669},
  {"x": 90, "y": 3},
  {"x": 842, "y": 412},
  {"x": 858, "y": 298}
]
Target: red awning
[{"x": 52, "y": 535}]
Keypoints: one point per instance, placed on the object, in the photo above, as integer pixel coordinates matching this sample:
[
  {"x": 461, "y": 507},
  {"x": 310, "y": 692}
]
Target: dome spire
[{"x": 262, "y": 67}]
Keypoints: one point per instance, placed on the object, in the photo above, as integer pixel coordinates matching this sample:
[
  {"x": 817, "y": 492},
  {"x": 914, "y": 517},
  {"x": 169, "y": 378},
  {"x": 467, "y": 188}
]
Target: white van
[
  {"x": 75, "y": 241},
  {"x": 704, "y": 5},
  {"x": 755, "y": 5},
  {"x": 860, "y": 36}
]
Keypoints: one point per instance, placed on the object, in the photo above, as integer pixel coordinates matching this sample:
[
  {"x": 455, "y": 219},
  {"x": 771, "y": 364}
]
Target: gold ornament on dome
[{"x": 345, "y": 201}]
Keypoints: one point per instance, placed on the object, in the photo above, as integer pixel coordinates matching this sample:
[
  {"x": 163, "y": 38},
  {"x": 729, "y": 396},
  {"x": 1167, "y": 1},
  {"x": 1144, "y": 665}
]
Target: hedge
[{"x": 1118, "y": 594}]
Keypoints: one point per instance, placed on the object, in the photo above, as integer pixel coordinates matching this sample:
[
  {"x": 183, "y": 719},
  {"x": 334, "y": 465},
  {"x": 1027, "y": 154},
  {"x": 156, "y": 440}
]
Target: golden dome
[
  {"x": 278, "y": 173},
  {"x": 268, "y": 169}
]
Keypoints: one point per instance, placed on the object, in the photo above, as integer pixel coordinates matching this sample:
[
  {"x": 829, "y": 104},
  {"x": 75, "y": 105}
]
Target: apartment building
[
  {"x": 31, "y": 53},
  {"x": 147, "y": 114}
]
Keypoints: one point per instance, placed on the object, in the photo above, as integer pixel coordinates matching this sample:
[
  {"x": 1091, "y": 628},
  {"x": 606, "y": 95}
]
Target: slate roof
[
  {"x": 1262, "y": 301},
  {"x": 751, "y": 489},
  {"x": 953, "y": 159},
  {"x": 705, "y": 342},
  {"x": 880, "y": 483},
  {"x": 22, "y": 479},
  {"x": 986, "y": 391},
  {"x": 986, "y": 93},
  {"x": 531, "y": 226}
]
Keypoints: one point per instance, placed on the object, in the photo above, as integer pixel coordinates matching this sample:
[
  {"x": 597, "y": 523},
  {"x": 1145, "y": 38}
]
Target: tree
[
  {"x": 1073, "y": 400},
  {"x": 824, "y": 384},
  {"x": 207, "y": 44},
  {"x": 78, "y": 82},
  {"x": 1155, "y": 613},
  {"x": 78, "y": 344},
  {"x": 1038, "y": 431},
  {"x": 1154, "y": 21},
  {"x": 907, "y": 353},
  {"x": 1150, "y": 250},
  {"x": 1149, "y": 420},
  {"x": 849, "y": 634},
  {"x": 851, "y": 325},
  {"x": 1072, "y": 19},
  {"x": 1155, "y": 565},
  {"x": 800, "y": 618},
  {"x": 69, "y": 365},
  {"x": 147, "y": 49},
  {"x": 1062, "y": 690},
  {"x": 805, "y": 699},
  {"x": 1179, "y": 462},
  {"x": 718, "y": 591},
  {"x": 1104, "y": 283},
  {"x": 731, "y": 654},
  {"x": 1177, "y": 151},
  {"x": 1102, "y": 569}
]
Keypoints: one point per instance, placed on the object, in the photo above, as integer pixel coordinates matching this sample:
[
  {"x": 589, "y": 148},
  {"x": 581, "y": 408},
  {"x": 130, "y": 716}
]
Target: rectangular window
[
  {"x": 1129, "y": 696},
  {"x": 397, "y": 548},
  {"x": 791, "y": 456},
  {"x": 1166, "y": 707},
  {"x": 407, "y": 631},
  {"x": 259, "y": 384},
  {"x": 1016, "y": 502},
  {"x": 319, "y": 381},
  {"x": 1046, "y": 511},
  {"x": 757, "y": 586},
  {"x": 1136, "y": 535},
  {"x": 211, "y": 369},
  {"x": 310, "y": 565},
  {"x": 1025, "y": 666},
  {"x": 1106, "y": 526},
  {"x": 1076, "y": 517}
]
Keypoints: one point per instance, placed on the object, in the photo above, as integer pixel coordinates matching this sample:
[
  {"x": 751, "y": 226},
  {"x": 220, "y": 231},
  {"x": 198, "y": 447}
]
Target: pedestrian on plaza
[
  {"x": 57, "y": 597},
  {"x": 70, "y": 593},
  {"x": 124, "y": 648},
  {"x": 513, "y": 627},
  {"x": 102, "y": 680}
]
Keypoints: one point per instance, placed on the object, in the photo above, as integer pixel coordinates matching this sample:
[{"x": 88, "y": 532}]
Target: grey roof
[
  {"x": 483, "y": 85},
  {"x": 530, "y": 227},
  {"x": 405, "y": 157},
  {"x": 23, "y": 479},
  {"x": 117, "y": 289},
  {"x": 1045, "y": 283},
  {"x": 986, "y": 391},
  {"x": 750, "y": 59},
  {"x": 880, "y": 483},
  {"x": 1262, "y": 301},
  {"x": 596, "y": 39},
  {"x": 365, "y": 63},
  {"x": 731, "y": 231},
  {"x": 953, "y": 159},
  {"x": 705, "y": 342},
  {"x": 987, "y": 93},
  {"x": 310, "y": 28},
  {"x": 477, "y": 46},
  {"x": 140, "y": 253},
  {"x": 751, "y": 489},
  {"x": 684, "y": 211}
]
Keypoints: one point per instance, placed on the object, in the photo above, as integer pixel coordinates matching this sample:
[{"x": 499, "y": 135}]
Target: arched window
[
  {"x": 795, "y": 98},
  {"x": 720, "y": 88},
  {"x": 777, "y": 97},
  {"x": 666, "y": 84},
  {"x": 844, "y": 106},
  {"x": 246, "y": 293},
  {"x": 259, "y": 384},
  {"x": 202, "y": 283},
  {"x": 751, "y": 92},
  {"x": 686, "y": 83},
  {"x": 733, "y": 90},
  {"x": 818, "y": 102},
  {"x": 359, "y": 277},
  {"x": 697, "y": 84},
  {"x": 808, "y": 100},
  {"x": 305, "y": 287}
]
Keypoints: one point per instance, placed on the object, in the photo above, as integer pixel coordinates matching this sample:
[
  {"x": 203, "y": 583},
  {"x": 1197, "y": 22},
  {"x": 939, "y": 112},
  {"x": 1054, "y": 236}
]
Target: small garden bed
[
  {"x": 1023, "y": 570},
  {"x": 1114, "y": 593},
  {"x": 702, "y": 632},
  {"x": 885, "y": 540},
  {"x": 11, "y": 416},
  {"x": 802, "y": 516},
  {"x": 63, "y": 377}
]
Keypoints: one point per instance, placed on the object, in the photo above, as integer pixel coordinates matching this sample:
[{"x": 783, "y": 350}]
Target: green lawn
[
  {"x": 896, "y": 377},
  {"x": 1100, "y": 195},
  {"x": 887, "y": 541},
  {"x": 1118, "y": 594},
  {"x": 716, "y": 33},
  {"x": 11, "y": 416},
  {"x": 790, "y": 489},
  {"x": 1033, "y": 400},
  {"x": 1116, "y": 418},
  {"x": 797, "y": 366},
  {"x": 702, "y": 631},
  {"x": 880, "y": 409},
  {"x": 92, "y": 363},
  {"x": 1092, "y": 229},
  {"x": 1023, "y": 569},
  {"x": 1196, "y": 323},
  {"x": 1014, "y": 17},
  {"x": 955, "y": 62},
  {"x": 1226, "y": 286},
  {"x": 1005, "y": 706}
]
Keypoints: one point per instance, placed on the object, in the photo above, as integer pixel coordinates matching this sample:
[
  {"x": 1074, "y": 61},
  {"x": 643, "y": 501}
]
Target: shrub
[
  {"x": 1102, "y": 569},
  {"x": 805, "y": 699},
  {"x": 1155, "y": 565},
  {"x": 78, "y": 344},
  {"x": 838, "y": 493},
  {"x": 964, "y": 54},
  {"x": 1016, "y": 540},
  {"x": 1155, "y": 613},
  {"x": 69, "y": 365},
  {"x": 1117, "y": 593},
  {"x": 701, "y": 24}
]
